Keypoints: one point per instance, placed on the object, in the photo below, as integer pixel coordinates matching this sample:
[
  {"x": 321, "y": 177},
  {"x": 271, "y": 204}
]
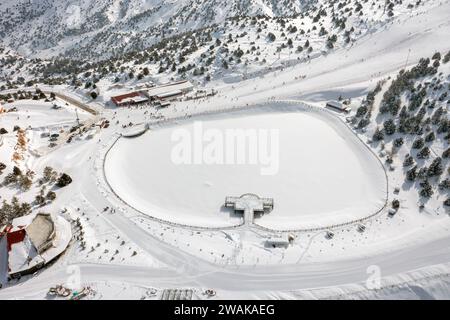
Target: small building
[
  {"x": 392, "y": 212},
  {"x": 30, "y": 242},
  {"x": 277, "y": 242},
  {"x": 162, "y": 104},
  {"x": 249, "y": 200},
  {"x": 337, "y": 106},
  {"x": 131, "y": 98}
]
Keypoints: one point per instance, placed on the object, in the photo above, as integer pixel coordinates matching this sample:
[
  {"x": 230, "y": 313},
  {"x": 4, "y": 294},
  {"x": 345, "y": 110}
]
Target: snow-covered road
[{"x": 191, "y": 272}]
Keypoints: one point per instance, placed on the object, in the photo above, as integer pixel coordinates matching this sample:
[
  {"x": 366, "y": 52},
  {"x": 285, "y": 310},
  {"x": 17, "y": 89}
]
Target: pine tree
[
  {"x": 271, "y": 37},
  {"x": 446, "y": 153},
  {"x": 398, "y": 142},
  {"x": 424, "y": 153},
  {"x": 395, "y": 204},
  {"x": 436, "y": 56},
  {"x": 389, "y": 127},
  {"x": 362, "y": 110},
  {"x": 64, "y": 180},
  {"x": 408, "y": 161},
  {"x": 363, "y": 123},
  {"x": 378, "y": 135},
  {"x": 446, "y": 57},
  {"x": 411, "y": 174},
  {"x": 422, "y": 173},
  {"x": 418, "y": 143},
  {"x": 427, "y": 190},
  {"x": 444, "y": 184},
  {"x": 436, "y": 168},
  {"x": 430, "y": 137}
]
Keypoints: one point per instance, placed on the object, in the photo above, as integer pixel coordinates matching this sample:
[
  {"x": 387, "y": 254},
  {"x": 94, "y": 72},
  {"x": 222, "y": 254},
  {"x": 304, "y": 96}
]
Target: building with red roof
[{"x": 131, "y": 98}]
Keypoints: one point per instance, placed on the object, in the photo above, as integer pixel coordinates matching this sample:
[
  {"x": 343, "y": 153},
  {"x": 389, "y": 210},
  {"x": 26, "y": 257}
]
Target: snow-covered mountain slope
[
  {"x": 18, "y": 68},
  {"x": 239, "y": 47},
  {"x": 43, "y": 27}
]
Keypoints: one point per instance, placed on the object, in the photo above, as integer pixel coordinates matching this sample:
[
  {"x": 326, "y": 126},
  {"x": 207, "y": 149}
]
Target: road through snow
[{"x": 273, "y": 278}]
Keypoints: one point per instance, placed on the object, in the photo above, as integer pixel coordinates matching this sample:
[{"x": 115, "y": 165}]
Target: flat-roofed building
[
  {"x": 131, "y": 98},
  {"x": 337, "y": 106},
  {"x": 170, "y": 91}
]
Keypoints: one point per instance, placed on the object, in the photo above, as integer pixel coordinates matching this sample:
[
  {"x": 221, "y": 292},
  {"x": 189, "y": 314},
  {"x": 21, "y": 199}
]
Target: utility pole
[
  {"x": 407, "y": 58},
  {"x": 78, "y": 119}
]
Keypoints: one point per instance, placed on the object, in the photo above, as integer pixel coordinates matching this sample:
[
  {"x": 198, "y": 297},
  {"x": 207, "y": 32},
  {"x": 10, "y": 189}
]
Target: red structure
[
  {"x": 131, "y": 98},
  {"x": 14, "y": 237}
]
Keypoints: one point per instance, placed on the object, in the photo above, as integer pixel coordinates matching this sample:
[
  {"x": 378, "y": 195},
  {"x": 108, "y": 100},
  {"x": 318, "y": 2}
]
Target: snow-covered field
[{"x": 40, "y": 115}]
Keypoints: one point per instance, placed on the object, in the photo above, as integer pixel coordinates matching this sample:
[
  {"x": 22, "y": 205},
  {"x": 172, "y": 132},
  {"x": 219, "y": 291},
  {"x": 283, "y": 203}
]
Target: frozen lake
[{"x": 320, "y": 173}]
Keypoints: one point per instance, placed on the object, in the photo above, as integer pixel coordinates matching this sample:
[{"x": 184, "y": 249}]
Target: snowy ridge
[
  {"x": 55, "y": 26},
  {"x": 235, "y": 48}
]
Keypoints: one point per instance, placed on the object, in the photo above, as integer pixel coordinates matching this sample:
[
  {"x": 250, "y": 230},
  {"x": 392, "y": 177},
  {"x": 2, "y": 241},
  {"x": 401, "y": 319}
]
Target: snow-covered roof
[
  {"x": 21, "y": 255},
  {"x": 170, "y": 87},
  {"x": 169, "y": 94},
  {"x": 131, "y": 97},
  {"x": 334, "y": 104}
]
